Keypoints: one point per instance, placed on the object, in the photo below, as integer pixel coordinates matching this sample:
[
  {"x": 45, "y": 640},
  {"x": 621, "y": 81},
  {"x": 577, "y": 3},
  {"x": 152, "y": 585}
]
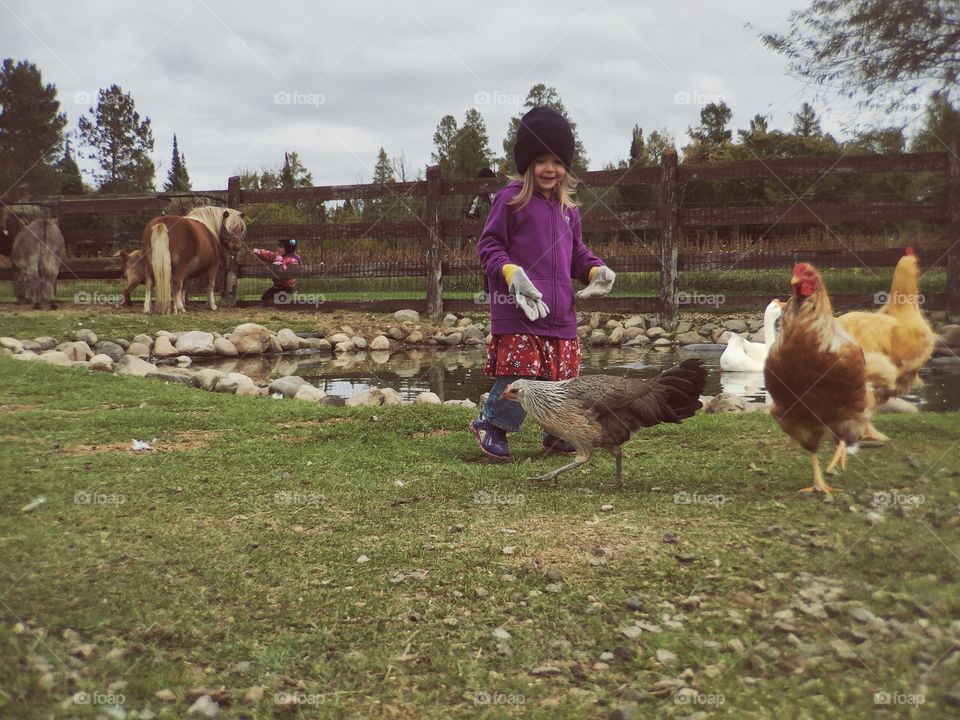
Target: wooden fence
[{"x": 668, "y": 221}]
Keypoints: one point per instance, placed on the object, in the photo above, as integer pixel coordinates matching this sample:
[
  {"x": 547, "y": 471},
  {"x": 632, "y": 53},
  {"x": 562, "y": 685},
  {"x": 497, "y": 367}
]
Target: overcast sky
[{"x": 241, "y": 82}]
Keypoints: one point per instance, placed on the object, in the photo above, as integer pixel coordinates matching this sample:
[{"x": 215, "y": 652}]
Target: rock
[
  {"x": 690, "y": 338},
  {"x": 639, "y": 340},
  {"x": 368, "y": 397},
  {"x": 655, "y": 332},
  {"x": 288, "y": 340},
  {"x": 391, "y": 396},
  {"x": 171, "y": 377},
  {"x": 683, "y": 326},
  {"x": 635, "y": 321},
  {"x": 380, "y": 343},
  {"x": 254, "y": 695},
  {"x": 209, "y": 377},
  {"x": 843, "y": 649},
  {"x": 450, "y": 320},
  {"x": 196, "y": 342},
  {"x": 427, "y": 398},
  {"x": 546, "y": 671},
  {"x": 726, "y": 403},
  {"x": 616, "y": 335},
  {"x": 46, "y": 342},
  {"x": 143, "y": 339},
  {"x": 250, "y": 338},
  {"x": 662, "y": 342},
  {"x": 102, "y": 363},
  {"x": 611, "y": 324},
  {"x": 132, "y": 365},
  {"x": 310, "y": 393},
  {"x": 233, "y": 382},
  {"x": 287, "y": 386},
  {"x": 950, "y": 335},
  {"x": 407, "y": 316},
  {"x": 86, "y": 335},
  {"x": 598, "y": 338},
  {"x": 344, "y": 347},
  {"x": 184, "y": 361},
  {"x": 415, "y": 337},
  {"x": 78, "y": 350},
  {"x": 320, "y": 344},
  {"x": 11, "y": 344},
  {"x": 395, "y": 333},
  {"x": 112, "y": 350},
  {"x": 359, "y": 343},
  {"x": 898, "y": 405},
  {"x": 204, "y": 706},
  {"x": 737, "y": 325},
  {"x": 55, "y": 357},
  {"x": 338, "y": 338},
  {"x": 138, "y": 350},
  {"x": 594, "y": 320},
  {"x": 666, "y": 657},
  {"x": 451, "y": 338},
  {"x": 862, "y": 614},
  {"x": 163, "y": 348},
  {"x": 474, "y": 332},
  {"x": 165, "y": 695}
]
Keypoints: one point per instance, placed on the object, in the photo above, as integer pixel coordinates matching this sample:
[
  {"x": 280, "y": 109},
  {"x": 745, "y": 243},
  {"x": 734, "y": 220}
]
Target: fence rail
[{"x": 431, "y": 244}]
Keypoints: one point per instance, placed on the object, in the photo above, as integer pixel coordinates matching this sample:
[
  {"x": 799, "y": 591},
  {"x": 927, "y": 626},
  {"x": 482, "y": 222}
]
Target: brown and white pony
[{"x": 177, "y": 248}]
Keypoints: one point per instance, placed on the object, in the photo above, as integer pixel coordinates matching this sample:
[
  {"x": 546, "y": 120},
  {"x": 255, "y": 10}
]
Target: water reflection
[{"x": 457, "y": 373}]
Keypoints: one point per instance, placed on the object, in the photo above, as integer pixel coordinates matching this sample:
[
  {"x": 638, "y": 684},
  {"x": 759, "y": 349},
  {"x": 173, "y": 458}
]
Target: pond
[{"x": 457, "y": 373}]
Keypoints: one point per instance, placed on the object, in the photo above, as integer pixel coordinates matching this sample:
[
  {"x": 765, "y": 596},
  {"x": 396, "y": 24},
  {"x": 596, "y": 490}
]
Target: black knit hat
[{"x": 543, "y": 131}]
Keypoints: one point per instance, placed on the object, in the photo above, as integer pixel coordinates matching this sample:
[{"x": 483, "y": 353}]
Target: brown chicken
[
  {"x": 605, "y": 411},
  {"x": 816, "y": 375},
  {"x": 896, "y": 340}
]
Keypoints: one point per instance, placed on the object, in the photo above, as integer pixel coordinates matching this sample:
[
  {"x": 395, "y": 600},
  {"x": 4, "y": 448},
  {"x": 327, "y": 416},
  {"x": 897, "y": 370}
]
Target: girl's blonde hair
[{"x": 565, "y": 190}]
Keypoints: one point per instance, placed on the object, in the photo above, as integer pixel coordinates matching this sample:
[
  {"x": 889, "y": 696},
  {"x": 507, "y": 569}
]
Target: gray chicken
[{"x": 605, "y": 411}]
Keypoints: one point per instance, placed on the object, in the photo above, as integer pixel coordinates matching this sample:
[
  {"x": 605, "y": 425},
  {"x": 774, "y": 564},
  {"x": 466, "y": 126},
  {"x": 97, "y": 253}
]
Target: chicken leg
[
  {"x": 581, "y": 459},
  {"x": 818, "y": 483},
  {"x": 840, "y": 456}
]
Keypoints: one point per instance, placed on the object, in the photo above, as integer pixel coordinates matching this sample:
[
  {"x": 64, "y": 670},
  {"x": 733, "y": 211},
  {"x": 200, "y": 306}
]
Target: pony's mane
[{"x": 211, "y": 216}]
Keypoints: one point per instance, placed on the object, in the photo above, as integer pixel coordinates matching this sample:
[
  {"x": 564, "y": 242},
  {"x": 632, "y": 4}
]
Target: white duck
[{"x": 744, "y": 356}]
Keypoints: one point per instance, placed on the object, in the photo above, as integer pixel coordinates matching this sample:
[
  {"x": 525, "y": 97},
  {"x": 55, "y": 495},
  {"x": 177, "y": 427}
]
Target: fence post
[
  {"x": 230, "y": 262},
  {"x": 953, "y": 228},
  {"x": 669, "y": 236},
  {"x": 434, "y": 244}
]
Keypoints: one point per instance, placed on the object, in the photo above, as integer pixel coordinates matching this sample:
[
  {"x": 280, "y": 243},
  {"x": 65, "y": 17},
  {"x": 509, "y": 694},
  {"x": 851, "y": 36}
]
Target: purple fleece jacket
[{"x": 546, "y": 242}]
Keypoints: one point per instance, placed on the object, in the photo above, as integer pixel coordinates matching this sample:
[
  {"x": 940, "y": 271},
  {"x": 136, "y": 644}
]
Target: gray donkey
[{"x": 37, "y": 252}]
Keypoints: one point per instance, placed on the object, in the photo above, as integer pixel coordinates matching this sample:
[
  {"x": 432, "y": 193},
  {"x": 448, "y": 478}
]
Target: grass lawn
[{"x": 368, "y": 563}]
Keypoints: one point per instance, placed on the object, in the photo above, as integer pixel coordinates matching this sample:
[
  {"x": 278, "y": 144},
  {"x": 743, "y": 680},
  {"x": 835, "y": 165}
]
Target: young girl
[
  {"x": 284, "y": 257},
  {"x": 531, "y": 250}
]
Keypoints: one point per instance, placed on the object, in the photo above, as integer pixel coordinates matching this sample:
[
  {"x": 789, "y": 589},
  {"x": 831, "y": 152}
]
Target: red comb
[
  {"x": 799, "y": 268},
  {"x": 908, "y": 251}
]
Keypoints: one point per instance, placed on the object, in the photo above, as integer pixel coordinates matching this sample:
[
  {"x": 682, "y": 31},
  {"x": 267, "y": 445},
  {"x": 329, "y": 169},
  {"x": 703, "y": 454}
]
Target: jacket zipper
[{"x": 553, "y": 241}]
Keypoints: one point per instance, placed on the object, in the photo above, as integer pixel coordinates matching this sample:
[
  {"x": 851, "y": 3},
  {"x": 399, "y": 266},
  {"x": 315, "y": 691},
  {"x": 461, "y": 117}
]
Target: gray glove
[
  {"x": 600, "y": 285},
  {"x": 527, "y": 296}
]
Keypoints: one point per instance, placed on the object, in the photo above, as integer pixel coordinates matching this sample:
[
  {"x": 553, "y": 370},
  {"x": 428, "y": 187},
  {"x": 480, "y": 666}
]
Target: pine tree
[
  {"x": 383, "y": 170},
  {"x": 31, "y": 129},
  {"x": 178, "y": 179},
  {"x": 293, "y": 174},
  {"x": 120, "y": 141},
  {"x": 806, "y": 123},
  {"x": 71, "y": 182}
]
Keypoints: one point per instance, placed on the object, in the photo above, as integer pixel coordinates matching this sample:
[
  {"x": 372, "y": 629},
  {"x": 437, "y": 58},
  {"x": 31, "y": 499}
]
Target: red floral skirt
[{"x": 546, "y": 358}]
